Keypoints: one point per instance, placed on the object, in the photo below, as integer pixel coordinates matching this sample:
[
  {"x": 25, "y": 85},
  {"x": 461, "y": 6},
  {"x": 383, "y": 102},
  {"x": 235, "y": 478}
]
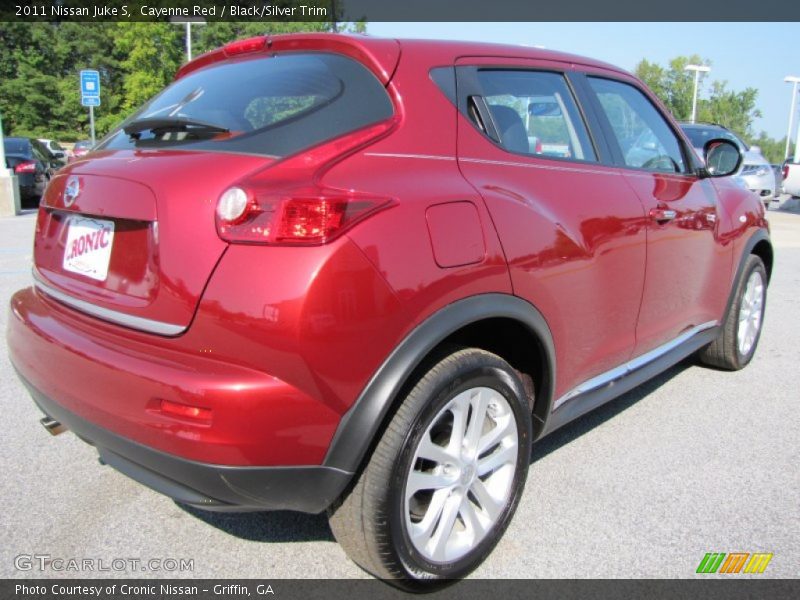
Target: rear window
[
  {"x": 273, "y": 105},
  {"x": 700, "y": 135},
  {"x": 16, "y": 146}
]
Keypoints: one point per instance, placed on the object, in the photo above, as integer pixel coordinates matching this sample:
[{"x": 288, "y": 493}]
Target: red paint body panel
[
  {"x": 167, "y": 243},
  {"x": 280, "y": 341}
]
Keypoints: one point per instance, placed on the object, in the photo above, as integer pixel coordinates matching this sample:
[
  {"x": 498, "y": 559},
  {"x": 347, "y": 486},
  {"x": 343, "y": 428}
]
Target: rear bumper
[
  {"x": 118, "y": 381},
  {"x": 309, "y": 489}
]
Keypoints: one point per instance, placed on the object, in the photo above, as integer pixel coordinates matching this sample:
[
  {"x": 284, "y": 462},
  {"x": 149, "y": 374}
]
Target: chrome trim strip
[
  {"x": 398, "y": 155},
  {"x": 505, "y": 163},
  {"x": 632, "y": 365},
  {"x": 106, "y": 314}
]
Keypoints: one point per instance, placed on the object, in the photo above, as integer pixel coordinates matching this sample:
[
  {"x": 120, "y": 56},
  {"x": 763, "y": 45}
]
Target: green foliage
[
  {"x": 40, "y": 62},
  {"x": 773, "y": 150},
  {"x": 736, "y": 110},
  {"x": 674, "y": 86}
]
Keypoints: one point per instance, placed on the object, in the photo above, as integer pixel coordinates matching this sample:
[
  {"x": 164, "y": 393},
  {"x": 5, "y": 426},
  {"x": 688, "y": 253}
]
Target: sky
[{"x": 755, "y": 55}]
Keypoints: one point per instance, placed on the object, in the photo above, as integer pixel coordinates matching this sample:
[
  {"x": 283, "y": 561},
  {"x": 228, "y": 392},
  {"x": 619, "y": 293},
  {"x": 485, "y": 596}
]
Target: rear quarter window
[{"x": 273, "y": 105}]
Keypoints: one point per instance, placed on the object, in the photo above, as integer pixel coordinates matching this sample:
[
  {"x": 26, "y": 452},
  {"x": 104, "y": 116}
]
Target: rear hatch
[
  {"x": 128, "y": 234},
  {"x": 138, "y": 238}
]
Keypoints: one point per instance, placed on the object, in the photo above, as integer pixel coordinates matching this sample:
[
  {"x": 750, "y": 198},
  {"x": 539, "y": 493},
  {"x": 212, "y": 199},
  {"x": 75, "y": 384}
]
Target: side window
[
  {"x": 644, "y": 138},
  {"x": 39, "y": 152},
  {"x": 534, "y": 113}
]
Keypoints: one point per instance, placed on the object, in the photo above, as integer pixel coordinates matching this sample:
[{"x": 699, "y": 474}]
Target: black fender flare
[
  {"x": 363, "y": 421},
  {"x": 758, "y": 236}
]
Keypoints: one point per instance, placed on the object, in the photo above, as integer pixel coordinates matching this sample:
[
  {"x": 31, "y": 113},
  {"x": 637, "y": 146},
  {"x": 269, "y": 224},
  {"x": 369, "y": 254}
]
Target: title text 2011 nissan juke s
[{"x": 335, "y": 273}]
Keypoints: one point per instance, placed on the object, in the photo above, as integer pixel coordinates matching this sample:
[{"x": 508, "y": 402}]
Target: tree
[
  {"x": 674, "y": 86},
  {"x": 39, "y": 82}
]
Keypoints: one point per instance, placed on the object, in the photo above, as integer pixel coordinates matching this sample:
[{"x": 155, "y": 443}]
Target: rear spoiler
[{"x": 379, "y": 55}]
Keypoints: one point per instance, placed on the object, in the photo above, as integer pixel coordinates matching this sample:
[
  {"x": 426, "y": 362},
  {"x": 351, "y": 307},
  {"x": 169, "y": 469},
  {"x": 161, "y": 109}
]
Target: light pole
[
  {"x": 697, "y": 70},
  {"x": 794, "y": 81},
  {"x": 188, "y": 22}
]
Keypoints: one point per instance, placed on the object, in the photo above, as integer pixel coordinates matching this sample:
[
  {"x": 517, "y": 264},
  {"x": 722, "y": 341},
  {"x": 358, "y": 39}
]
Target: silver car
[{"x": 755, "y": 172}]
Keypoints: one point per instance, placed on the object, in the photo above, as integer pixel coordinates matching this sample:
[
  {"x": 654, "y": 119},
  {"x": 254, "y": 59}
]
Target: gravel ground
[{"x": 695, "y": 461}]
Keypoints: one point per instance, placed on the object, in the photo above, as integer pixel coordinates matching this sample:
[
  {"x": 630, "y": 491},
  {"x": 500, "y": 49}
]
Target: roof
[{"x": 381, "y": 55}]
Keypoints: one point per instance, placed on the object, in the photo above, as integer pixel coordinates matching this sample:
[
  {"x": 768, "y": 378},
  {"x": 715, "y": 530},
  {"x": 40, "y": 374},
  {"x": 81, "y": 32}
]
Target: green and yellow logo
[{"x": 735, "y": 562}]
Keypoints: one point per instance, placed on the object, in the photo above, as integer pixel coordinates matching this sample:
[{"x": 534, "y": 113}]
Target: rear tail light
[
  {"x": 310, "y": 216},
  {"x": 538, "y": 147},
  {"x": 284, "y": 205},
  {"x": 785, "y": 171},
  {"x": 29, "y": 166}
]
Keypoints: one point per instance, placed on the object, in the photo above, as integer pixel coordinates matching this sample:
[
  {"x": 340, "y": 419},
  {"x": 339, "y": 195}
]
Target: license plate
[{"x": 88, "y": 249}]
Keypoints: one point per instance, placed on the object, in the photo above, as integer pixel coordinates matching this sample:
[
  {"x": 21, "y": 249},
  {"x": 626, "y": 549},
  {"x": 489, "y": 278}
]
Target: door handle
[{"x": 662, "y": 215}]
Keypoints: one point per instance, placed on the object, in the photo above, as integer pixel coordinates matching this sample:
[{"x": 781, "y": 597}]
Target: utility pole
[
  {"x": 187, "y": 23},
  {"x": 794, "y": 81},
  {"x": 697, "y": 70}
]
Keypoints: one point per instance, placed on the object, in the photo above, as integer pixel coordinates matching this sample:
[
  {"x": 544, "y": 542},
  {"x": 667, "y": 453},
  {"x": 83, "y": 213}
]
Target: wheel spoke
[
  {"x": 421, "y": 532},
  {"x": 504, "y": 426},
  {"x": 459, "y": 412},
  {"x": 445, "y": 527},
  {"x": 498, "y": 458},
  {"x": 420, "y": 480},
  {"x": 489, "y": 505},
  {"x": 433, "y": 452},
  {"x": 479, "y": 404},
  {"x": 471, "y": 520}
]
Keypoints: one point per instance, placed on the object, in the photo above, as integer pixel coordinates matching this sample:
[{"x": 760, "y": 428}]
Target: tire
[
  {"x": 741, "y": 329},
  {"x": 422, "y": 450}
]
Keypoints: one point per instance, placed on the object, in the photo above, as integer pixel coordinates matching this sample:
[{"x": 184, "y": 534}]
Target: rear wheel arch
[
  {"x": 499, "y": 323},
  {"x": 763, "y": 249}
]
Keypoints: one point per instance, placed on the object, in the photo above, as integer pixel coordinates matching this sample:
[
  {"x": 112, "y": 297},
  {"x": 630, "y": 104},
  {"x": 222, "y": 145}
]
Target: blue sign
[
  {"x": 90, "y": 100},
  {"x": 90, "y": 83}
]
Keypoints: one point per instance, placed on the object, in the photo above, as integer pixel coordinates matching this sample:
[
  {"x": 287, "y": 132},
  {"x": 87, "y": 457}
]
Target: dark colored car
[
  {"x": 755, "y": 171},
  {"x": 32, "y": 164},
  {"x": 79, "y": 150},
  {"x": 362, "y": 276}
]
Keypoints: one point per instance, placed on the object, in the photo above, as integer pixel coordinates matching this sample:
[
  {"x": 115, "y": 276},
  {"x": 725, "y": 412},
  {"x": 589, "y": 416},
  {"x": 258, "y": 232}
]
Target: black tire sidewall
[{"x": 464, "y": 376}]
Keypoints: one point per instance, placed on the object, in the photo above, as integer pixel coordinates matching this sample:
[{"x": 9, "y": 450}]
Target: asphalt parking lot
[{"x": 695, "y": 461}]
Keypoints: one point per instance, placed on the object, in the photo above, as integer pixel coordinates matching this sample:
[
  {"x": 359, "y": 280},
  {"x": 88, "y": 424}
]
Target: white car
[
  {"x": 55, "y": 149},
  {"x": 791, "y": 178},
  {"x": 755, "y": 171}
]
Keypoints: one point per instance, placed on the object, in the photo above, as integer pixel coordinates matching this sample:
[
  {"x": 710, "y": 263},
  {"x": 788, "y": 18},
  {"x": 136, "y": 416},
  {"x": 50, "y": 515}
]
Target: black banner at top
[{"x": 399, "y": 10}]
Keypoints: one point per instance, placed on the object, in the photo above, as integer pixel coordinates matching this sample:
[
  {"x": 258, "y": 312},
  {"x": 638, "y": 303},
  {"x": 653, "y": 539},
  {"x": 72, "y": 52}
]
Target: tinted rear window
[
  {"x": 700, "y": 135},
  {"x": 16, "y": 146},
  {"x": 272, "y": 105}
]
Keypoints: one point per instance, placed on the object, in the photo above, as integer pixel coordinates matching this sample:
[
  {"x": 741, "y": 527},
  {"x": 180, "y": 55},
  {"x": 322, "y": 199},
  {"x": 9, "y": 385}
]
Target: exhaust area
[{"x": 53, "y": 427}]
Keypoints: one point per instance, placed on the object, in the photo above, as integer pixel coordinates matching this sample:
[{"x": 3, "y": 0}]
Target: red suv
[{"x": 324, "y": 272}]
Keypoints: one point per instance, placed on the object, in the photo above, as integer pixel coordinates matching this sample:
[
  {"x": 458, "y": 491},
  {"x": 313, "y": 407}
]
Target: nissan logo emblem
[{"x": 71, "y": 191}]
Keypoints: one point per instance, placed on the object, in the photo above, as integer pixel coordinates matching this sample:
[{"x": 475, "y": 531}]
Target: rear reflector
[
  {"x": 185, "y": 411},
  {"x": 29, "y": 166}
]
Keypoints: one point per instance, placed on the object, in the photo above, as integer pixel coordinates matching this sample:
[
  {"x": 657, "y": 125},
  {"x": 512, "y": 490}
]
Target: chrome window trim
[
  {"x": 106, "y": 314},
  {"x": 632, "y": 365}
]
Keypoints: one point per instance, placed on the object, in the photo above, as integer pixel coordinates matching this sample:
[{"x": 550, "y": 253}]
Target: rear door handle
[{"x": 662, "y": 215}]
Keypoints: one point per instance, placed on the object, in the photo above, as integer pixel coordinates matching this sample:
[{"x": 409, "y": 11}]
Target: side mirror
[
  {"x": 723, "y": 157},
  {"x": 58, "y": 154}
]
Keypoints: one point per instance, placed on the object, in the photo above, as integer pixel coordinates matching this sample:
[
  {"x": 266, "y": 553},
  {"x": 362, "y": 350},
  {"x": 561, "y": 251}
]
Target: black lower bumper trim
[{"x": 310, "y": 489}]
